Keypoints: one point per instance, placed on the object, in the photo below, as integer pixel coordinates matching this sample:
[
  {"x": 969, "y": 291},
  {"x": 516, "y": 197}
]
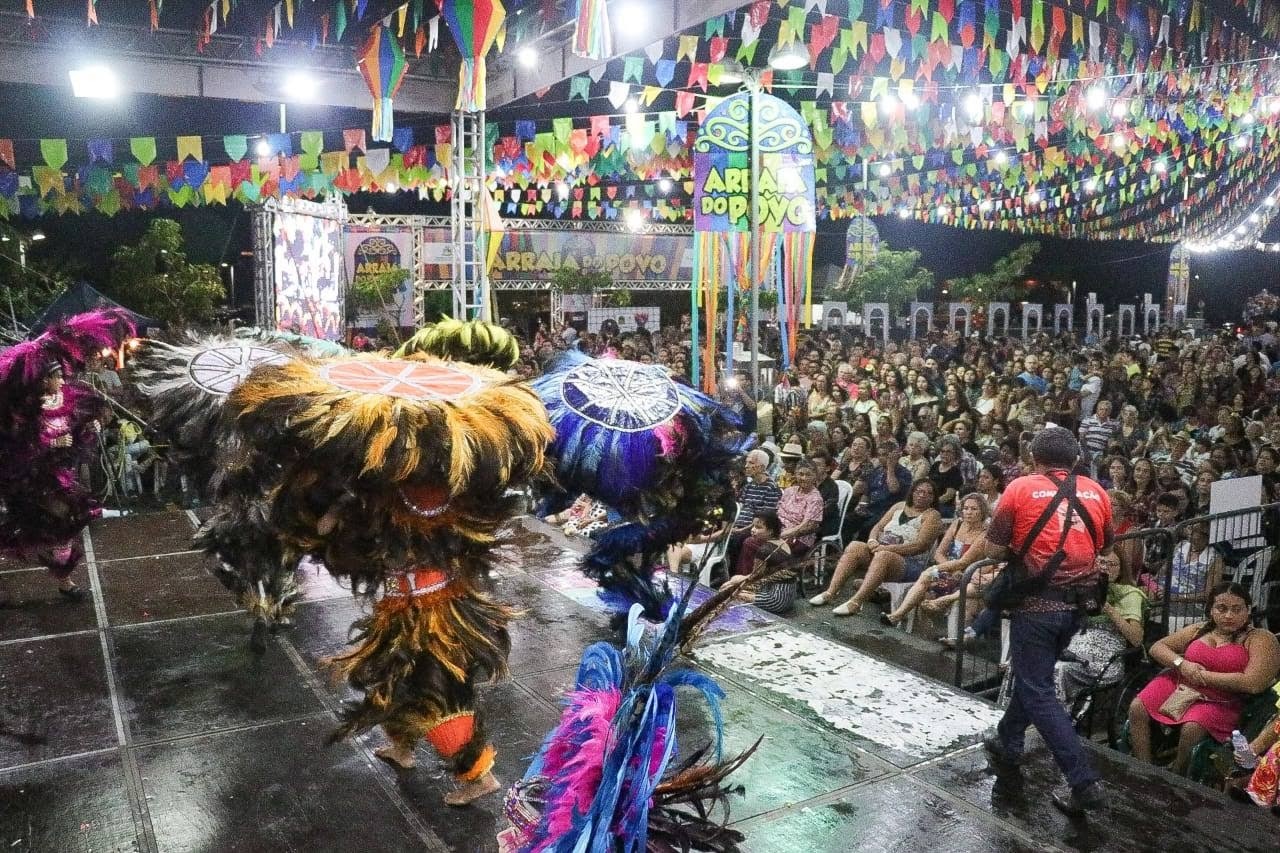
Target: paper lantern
[
  {"x": 474, "y": 25},
  {"x": 383, "y": 65}
]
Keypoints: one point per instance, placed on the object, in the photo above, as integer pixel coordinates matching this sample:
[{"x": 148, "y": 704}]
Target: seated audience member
[
  {"x": 828, "y": 490},
  {"x": 1196, "y": 568},
  {"x": 941, "y": 589},
  {"x": 1094, "y": 657},
  {"x": 776, "y": 594},
  {"x": 882, "y": 485},
  {"x": 897, "y": 550},
  {"x": 693, "y": 549},
  {"x": 758, "y": 494},
  {"x": 1212, "y": 667},
  {"x": 1262, "y": 760},
  {"x": 800, "y": 509}
]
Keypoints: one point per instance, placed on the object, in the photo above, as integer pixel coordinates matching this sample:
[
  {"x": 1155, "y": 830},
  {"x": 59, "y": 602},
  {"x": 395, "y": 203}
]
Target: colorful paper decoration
[
  {"x": 383, "y": 66},
  {"x": 475, "y": 25},
  {"x": 592, "y": 37}
]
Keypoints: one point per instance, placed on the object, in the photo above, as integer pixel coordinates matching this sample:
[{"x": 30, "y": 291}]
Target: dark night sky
[{"x": 1117, "y": 271}]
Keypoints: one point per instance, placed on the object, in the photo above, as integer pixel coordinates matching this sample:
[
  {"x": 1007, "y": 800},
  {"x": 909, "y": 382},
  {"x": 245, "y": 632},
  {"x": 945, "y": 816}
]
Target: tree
[
  {"x": 154, "y": 278},
  {"x": 894, "y": 277},
  {"x": 27, "y": 288},
  {"x": 375, "y": 293},
  {"x": 1005, "y": 282}
]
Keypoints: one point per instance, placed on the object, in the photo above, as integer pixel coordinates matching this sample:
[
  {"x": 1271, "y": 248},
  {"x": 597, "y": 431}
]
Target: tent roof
[{"x": 79, "y": 298}]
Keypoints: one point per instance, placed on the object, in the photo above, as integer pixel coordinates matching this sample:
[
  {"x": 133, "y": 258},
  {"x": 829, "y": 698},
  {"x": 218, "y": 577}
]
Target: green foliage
[
  {"x": 25, "y": 292},
  {"x": 154, "y": 278},
  {"x": 375, "y": 293},
  {"x": 894, "y": 276},
  {"x": 573, "y": 280},
  {"x": 619, "y": 298},
  {"x": 1005, "y": 282}
]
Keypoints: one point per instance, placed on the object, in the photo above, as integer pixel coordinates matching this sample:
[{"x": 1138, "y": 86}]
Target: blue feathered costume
[{"x": 656, "y": 451}]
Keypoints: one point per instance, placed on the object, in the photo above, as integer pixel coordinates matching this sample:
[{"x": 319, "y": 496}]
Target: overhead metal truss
[{"x": 167, "y": 62}]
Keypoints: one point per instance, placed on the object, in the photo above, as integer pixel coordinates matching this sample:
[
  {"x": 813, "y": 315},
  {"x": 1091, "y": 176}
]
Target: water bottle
[{"x": 1245, "y": 759}]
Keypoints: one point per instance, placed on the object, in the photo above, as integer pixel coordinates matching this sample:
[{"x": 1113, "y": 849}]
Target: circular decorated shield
[
  {"x": 220, "y": 369},
  {"x": 410, "y": 380},
  {"x": 621, "y": 395}
]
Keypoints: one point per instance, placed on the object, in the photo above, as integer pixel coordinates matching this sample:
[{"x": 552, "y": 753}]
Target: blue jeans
[{"x": 1036, "y": 641}]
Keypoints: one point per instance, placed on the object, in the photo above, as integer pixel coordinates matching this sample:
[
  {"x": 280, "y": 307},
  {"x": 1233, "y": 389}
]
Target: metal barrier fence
[{"x": 1158, "y": 560}]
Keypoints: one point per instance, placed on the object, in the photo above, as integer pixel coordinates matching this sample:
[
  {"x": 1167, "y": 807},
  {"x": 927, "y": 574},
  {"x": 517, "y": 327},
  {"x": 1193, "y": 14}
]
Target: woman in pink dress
[{"x": 1222, "y": 660}]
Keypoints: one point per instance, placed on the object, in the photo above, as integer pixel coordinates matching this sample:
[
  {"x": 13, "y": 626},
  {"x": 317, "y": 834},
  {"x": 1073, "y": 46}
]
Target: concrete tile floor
[{"x": 139, "y": 721}]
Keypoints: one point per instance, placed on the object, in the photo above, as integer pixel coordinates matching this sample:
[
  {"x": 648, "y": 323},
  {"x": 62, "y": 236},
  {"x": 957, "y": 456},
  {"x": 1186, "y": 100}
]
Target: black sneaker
[
  {"x": 1000, "y": 757},
  {"x": 1089, "y": 798}
]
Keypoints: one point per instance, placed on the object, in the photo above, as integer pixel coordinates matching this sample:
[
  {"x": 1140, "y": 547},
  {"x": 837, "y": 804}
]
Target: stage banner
[
  {"x": 536, "y": 255},
  {"x": 309, "y": 275},
  {"x": 373, "y": 250},
  {"x": 626, "y": 319},
  {"x": 1179, "y": 283},
  {"x": 722, "y": 168}
]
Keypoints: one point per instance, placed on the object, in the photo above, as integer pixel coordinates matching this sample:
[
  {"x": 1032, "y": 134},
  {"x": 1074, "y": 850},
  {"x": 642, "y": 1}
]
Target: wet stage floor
[{"x": 139, "y": 720}]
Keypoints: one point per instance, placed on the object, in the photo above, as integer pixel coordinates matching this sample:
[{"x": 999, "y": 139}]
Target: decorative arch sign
[
  {"x": 998, "y": 310},
  {"x": 872, "y": 311},
  {"x": 958, "y": 310},
  {"x": 722, "y": 167},
  {"x": 1062, "y": 317},
  {"x": 1028, "y": 312},
  {"x": 917, "y": 309}
]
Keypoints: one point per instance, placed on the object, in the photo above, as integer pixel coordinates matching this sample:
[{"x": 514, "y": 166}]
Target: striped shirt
[
  {"x": 1095, "y": 433},
  {"x": 756, "y": 497}
]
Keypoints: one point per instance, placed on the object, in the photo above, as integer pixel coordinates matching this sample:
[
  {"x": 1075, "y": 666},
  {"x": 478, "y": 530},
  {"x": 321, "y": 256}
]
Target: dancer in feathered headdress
[
  {"x": 187, "y": 382},
  {"x": 656, "y": 451},
  {"x": 397, "y": 478},
  {"x": 472, "y": 341},
  {"x": 603, "y": 780},
  {"x": 48, "y": 426}
]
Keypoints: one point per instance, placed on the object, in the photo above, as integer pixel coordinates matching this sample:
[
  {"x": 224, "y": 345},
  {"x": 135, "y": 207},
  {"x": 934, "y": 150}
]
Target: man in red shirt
[{"x": 1058, "y": 582}]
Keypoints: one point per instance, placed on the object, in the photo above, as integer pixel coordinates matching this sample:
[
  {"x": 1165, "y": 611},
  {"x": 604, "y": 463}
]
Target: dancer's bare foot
[
  {"x": 486, "y": 784},
  {"x": 399, "y": 756}
]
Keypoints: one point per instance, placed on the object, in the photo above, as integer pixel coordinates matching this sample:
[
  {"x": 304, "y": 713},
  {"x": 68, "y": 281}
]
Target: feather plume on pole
[{"x": 603, "y": 779}]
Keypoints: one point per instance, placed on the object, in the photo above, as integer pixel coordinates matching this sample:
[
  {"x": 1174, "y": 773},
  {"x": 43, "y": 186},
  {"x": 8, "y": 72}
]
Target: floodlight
[
  {"x": 1096, "y": 97},
  {"x": 789, "y": 57},
  {"x": 301, "y": 86},
  {"x": 95, "y": 81},
  {"x": 527, "y": 56}
]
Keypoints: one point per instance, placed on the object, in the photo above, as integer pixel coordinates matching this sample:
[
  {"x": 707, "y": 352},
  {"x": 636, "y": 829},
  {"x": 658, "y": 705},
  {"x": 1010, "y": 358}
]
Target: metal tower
[{"x": 467, "y": 222}]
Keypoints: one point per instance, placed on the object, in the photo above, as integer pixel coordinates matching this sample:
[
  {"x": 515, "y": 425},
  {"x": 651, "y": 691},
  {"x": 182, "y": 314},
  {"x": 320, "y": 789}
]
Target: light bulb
[{"x": 1096, "y": 97}]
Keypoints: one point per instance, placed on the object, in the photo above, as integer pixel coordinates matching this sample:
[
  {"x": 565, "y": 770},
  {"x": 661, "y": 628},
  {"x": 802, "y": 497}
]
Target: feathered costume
[
  {"x": 396, "y": 475},
  {"x": 657, "y": 451},
  {"x": 44, "y": 436},
  {"x": 472, "y": 341},
  {"x": 187, "y": 382},
  {"x": 603, "y": 780}
]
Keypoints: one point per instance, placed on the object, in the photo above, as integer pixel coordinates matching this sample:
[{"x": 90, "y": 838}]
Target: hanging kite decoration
[
  {"x": 383, "y": 65},
  {"x": 861, "y": 245},
  {"x": 475, "y": 25},
  {"x": 592, "y": 37},
  {"x": 724, "y": 227}
]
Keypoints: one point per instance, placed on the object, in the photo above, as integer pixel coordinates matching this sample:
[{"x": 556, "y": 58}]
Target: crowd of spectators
[{"x": 926, "y": 433}]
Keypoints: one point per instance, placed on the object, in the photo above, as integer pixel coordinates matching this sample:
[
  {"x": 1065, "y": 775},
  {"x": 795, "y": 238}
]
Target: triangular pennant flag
[{"x": 190, "y": 147}]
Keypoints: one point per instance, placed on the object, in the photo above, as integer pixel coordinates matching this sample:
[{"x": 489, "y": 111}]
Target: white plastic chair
[{"x": 844, "y": 497}]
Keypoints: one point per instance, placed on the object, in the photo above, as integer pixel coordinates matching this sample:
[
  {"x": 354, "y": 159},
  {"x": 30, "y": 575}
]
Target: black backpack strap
[{"x": 1043, "y": 521}]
